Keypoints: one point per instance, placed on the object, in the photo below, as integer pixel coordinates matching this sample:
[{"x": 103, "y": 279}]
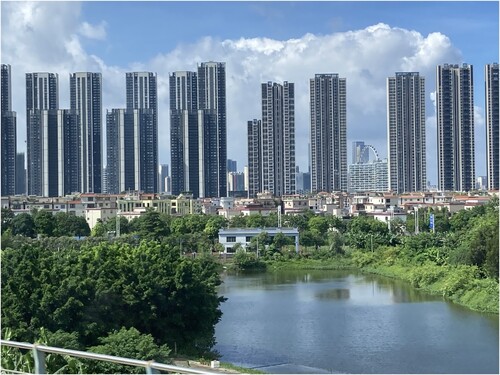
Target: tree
[
  {"x": 128, "y": 343},
  {"x": 7, "y": 217},
  {"x": 151, "y": 226},
  {"x": 23, "y": 225},
  {"x": 44, "y": 223}
]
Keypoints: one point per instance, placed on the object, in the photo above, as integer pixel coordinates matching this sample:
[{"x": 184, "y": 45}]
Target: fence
[{"x": 39, "y": 351}]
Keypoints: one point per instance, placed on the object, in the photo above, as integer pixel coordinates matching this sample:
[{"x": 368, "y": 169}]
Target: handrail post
[
  {"x": 151, "y": 370},
  {"x": 39, "y": 357}
]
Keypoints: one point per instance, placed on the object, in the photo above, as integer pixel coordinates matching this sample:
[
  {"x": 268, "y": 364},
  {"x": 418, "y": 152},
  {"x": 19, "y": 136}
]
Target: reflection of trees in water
[{"x": 334, "y": 294}]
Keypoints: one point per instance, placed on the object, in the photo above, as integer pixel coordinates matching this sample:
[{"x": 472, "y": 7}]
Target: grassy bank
[{"x": 460, "y": 284}]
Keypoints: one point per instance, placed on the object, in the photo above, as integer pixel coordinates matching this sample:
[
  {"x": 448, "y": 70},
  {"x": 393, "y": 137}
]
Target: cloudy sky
[{"x": 365, "y": 42}]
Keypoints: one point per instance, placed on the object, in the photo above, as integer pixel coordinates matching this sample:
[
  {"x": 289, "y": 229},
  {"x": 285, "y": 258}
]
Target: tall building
[
  {"x": 368, "y": 177},
  {"x": 328, "y": 133},
  {"x": 8, "y": 133},
  {"x": 254, "y": 136},
  {"x": 20, "y": 174},
  {"x": 42, "y": 102},
  {"x": 232, "y": 165},
  {"x": 120, "y": 167},
  {"x": 198, "y": 131},
  {"x": 455, "y": 127},
  {"x": 184, "y": 133},
  {"x": 406, "y": 132},
  {"x": 212, "y": 129},
  {"x": 278, "y": 138},
  {"x": 142, "y": 106},
  {"x": 69, "y": 171},
  {"x": 86, "y": 99},
  {"x": 162, "y": 175},
  {"x": 358, "y": 154},
  {"x": 492, "y": 127}
]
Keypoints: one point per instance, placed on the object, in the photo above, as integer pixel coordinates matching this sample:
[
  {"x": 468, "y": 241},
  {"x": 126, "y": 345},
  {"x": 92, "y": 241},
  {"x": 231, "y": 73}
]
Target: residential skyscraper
[
  {"x": 69, "y": 143},
  {"x": 86, "y": 99},
  {"x": 492, "y": 127},
  {"x": 212, "y": 129},
  {"x": 184, "y": 133},
  {"x": 328, "y": 133},
  {"x": 254, "y": 136},
  {"x": 358, "y": 155},
  {"x": 8, "y": 134},
  {"x": 406, "y": 132},
  {"x": 198, "y": 131},
  {"x": 455, "y": 127},
  {"x": 162, "y": 175},
  {"x": 20, "y": 174},
  {"x": 120, "y": 167},
  {"x": 232, "y": 165},
  {"x": 42, "y": 102},
  {"x": 142, "y": 105}
]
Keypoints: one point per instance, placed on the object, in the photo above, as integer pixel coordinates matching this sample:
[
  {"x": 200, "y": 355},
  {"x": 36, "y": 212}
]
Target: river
[{"x": 348, "y": 322}]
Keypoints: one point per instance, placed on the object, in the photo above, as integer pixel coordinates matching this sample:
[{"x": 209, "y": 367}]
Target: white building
[{"x": 231, "y": 236}]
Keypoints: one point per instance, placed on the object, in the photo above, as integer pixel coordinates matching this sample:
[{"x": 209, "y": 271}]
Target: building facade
[
  {"x": 212, "y": 129},
  {"x": 254, "y": 136},
  {"x": 358, "y": 154},
  {"x": 455, "y": 127},
  {"x": 8, "y": 134},
  {"x": 42, "y": 102},
  {"x": 406, "y": 132},
  {"x": 368, "y": 177},
  {"x": 184, "y": 148},
  {"x": 86, "y": 101},
  {"x": 492, "y": 125},
  {"x": 69, "y": 143},
  {"x": 278, "y": 138},
  {"x": 20, "y": 174},
  {"x": 328, "y": 133},
  {"x": 142, "y": 111}
]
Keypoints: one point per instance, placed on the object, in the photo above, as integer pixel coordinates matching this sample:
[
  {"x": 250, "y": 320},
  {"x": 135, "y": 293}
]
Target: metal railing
[{"x": 151, "y": 367}]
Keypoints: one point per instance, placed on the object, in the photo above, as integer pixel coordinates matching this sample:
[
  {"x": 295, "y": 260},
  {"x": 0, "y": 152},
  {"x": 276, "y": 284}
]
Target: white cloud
[
  {"x": 51, "y": 33},
  {"x": 93, "y": 31}
]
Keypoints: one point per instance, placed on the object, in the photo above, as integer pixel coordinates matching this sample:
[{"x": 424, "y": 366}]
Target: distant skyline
[{"x": 365, "y": 42}]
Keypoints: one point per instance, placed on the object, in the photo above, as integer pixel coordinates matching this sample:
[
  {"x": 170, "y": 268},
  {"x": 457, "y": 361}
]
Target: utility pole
[
  {"x": 415, "y": 209},
  {"x": 117, "y": 229}
]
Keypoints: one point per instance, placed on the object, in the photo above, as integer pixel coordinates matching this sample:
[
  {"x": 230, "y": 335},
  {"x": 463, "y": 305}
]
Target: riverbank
[{"x": 458, "y": 284}]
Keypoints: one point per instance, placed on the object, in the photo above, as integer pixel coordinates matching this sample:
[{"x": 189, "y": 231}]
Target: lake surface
[{"x": 347, "y": 322}]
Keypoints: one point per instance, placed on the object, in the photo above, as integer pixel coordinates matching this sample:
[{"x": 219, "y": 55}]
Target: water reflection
[{"x": 346, "y": 322}]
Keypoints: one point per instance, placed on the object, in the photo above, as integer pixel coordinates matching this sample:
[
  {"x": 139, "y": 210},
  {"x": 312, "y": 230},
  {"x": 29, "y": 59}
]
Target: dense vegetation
[
  {"x": 146, "y": 294},
  {"x": 137, "y": 291}
]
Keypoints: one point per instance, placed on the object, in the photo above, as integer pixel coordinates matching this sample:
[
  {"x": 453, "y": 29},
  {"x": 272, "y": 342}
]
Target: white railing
[{"x": 39, "y": 351}]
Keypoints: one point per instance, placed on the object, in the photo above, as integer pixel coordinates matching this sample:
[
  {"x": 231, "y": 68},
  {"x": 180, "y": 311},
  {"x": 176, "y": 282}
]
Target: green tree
[
  {"x": 44, "y": 223},
  {"x": 7, "y": 217},
  {"x": 70, "y": 225},
  {"x": 23, "y": 225},
  {"x": 128, "y": 343},
  {"x": 151, "y": 226}
]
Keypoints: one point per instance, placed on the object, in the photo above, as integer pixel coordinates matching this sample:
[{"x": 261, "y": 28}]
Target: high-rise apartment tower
[
  {"x": 278, "y": 138},
  {"x": 455, "y": 127},
  {"x": 492, "y": 127},
  {"x": 406, "y": 132},
  {"x": 8, "y": 133},
  {"x": 328, "y": 133},
  {"x": 86, "y": 101},
  {"x": 42, "y": 102}
]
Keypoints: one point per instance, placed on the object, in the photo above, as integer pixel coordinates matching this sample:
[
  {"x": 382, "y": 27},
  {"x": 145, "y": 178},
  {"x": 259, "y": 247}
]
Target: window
[
  {"x": 248, "y": 239},
  {"x": 230, "y": 239}
]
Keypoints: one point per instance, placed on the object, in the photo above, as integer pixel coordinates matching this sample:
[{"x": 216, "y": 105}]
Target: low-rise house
[{"x": 229, "y": 237}]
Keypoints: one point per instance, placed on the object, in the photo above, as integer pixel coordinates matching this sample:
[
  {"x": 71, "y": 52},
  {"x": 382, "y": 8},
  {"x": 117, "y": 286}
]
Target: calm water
[{"x": 343, "y": 322}]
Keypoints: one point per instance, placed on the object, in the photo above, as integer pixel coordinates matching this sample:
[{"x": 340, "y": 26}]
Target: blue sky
[{"x": 364, "y": 42}]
